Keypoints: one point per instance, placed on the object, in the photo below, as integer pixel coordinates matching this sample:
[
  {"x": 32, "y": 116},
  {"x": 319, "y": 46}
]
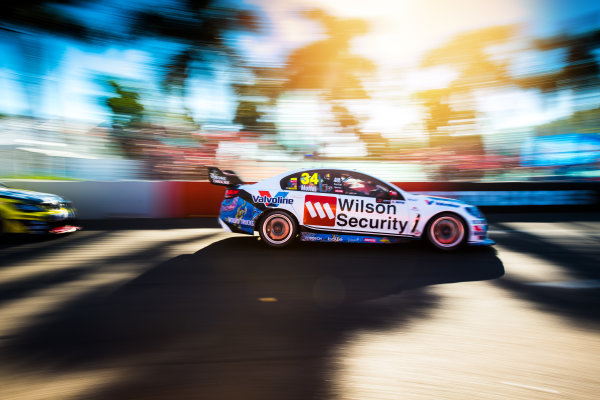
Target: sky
[{"x": 401, "y": 32}]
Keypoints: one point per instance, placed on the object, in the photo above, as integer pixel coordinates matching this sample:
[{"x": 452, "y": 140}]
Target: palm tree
[
  {"x": 581, "y": 71},
  {"x": 26, "y": 21},
  {"x": 467, "y": 53},
  {"x": 200, "y": 27},
  {"x": 329, "y": 68}
]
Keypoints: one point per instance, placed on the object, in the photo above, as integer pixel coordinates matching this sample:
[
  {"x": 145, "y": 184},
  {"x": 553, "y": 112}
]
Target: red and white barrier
[{"x": 180, "y": 199}]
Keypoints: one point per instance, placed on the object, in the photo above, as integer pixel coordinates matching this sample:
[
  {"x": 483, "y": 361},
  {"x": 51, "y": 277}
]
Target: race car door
[
  {"x": 347, "y": 201},
  {"x": 370, "y": 206}
]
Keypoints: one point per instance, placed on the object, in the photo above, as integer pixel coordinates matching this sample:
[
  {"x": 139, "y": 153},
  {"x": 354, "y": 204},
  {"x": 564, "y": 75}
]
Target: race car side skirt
[
  {"x": 485, "y": 242},
  {"x": 333, "y": 237}
]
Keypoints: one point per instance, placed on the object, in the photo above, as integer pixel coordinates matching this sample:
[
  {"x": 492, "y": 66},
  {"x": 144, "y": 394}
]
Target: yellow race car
[{"x": 25, "y": 211}]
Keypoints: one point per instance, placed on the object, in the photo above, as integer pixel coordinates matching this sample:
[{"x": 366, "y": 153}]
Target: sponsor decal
[
  {"x": 308, "y": 188},
  {"x": 307, "y": 178},
  {"x": 341, "y": 191},
  {"x": 239, "y": 221},
  {"x": 272, "y": 201},
  {"x": 239, "y": 213},
  {"x": 440, "y": 203},
  {"x": 417, "y": 219},
  {"x": 229, "y": 204},
  {"x": 429, "y": 202},
  {"x": 324, "y": 211},
  {"x": 292, "y": 184},
  {"x": 336, "y": 238},
  {"x": 397, "y": 202},
  {"x": 216, "y": 178},
  {"x": 328, "y": 237},
  {"x": 362, "y": 206},
  {"x": 320, "y": 210}
]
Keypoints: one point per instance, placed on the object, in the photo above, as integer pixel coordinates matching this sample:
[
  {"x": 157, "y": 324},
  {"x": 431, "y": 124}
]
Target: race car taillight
[{"x": 229, "y": 193}]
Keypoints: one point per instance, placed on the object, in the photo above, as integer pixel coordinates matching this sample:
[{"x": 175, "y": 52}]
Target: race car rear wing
[{"x": 223, "y": 178}]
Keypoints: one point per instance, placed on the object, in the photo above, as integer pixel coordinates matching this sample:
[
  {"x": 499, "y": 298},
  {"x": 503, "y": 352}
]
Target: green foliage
[
  {"x": 125, "y": 107},
  {"x": 329, "y": 68},
  {"x": 587, "y": 121},
  {"x": 467, "y": 53},
  {"x": 199, "y": 25},
  {"x": 251, "y": 119},
  {"x": 581, "y": 70},
  {"x": 328, "y": 65}
]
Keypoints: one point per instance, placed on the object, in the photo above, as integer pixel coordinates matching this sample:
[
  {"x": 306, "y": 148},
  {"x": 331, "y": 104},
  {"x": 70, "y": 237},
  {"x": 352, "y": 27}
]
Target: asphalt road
[{"x": 177, "y": 309}]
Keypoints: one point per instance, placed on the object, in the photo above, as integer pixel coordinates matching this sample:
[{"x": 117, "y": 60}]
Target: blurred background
[{"x": 408, "y": 90}]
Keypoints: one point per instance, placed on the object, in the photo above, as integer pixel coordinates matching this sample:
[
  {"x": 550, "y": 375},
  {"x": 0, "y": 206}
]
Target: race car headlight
[
  {"x": 474, "y": 211},
  {"x": 28, "y": 207}
]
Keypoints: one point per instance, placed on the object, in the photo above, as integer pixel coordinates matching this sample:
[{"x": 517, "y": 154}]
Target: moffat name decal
[
  {"x": 323, "y": 211},
  {"x": 265, "y": 197}
]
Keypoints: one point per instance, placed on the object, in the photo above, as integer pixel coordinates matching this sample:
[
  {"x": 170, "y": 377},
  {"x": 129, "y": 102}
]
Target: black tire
[
  {"x": 278, "y": 229},
  {"x": 447, "y": 231}
]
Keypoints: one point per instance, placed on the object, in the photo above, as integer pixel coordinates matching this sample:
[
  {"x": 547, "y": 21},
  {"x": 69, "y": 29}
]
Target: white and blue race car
[{"x": 335, "y": 205}]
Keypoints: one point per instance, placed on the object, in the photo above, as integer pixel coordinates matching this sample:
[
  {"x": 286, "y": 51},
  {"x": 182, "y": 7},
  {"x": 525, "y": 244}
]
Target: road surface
[{"x": 177, "y": 309}]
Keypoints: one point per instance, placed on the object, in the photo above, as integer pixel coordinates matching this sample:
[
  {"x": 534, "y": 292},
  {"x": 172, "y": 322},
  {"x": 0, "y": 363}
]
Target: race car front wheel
[
  {"x": 278, "y": 229},
  {"x": 446, "y": 231}
]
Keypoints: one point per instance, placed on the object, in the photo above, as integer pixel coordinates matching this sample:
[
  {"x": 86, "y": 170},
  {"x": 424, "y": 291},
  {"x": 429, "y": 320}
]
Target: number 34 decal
[{"x": 305, "y": 179}]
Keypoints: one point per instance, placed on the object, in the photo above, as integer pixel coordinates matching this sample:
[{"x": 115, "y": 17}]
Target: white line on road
[
  {"x": 539, "y": 389},
  {"x": 580, "y": 284}
]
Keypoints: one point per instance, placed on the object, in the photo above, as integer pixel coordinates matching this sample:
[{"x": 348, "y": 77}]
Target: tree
[
  {"x": 581, "y": 71},
  {"x": 200, "y": 26},
  {"x": 127, "y": 114},
  {"x": 27, "y": 21},
  {"x": 329, "y": 68},
  {"x": 328, "y": 65},
  {"x": 41, "y": 16},
  {"x": 449, "y": 108},
  {"x": 256, "y": 97},
  {"x": 126, "y": 108}
]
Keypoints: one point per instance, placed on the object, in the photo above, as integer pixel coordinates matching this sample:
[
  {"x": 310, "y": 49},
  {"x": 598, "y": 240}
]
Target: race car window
[
  {"x": 290, "y": 182},
  {"x": 362, "y": 185},
  {"x": 321, "y": 181}
]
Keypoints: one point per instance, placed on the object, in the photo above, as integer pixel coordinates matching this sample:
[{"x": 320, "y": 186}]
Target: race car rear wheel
[
  {"x": 447, "y": 231},
  {"x": 278, "y": 229}
]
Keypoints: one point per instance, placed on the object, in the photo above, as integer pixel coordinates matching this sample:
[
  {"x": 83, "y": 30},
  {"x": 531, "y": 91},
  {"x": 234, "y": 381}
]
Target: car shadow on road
[
  {"x": 239, "y": 320},
  {"x": 578, "y": 301}
]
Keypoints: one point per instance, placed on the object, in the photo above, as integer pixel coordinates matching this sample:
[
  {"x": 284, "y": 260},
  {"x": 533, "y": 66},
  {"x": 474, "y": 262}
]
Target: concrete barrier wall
[
  {"x": 106, "y": 199},
  {"x": 177, "y": 199}
]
